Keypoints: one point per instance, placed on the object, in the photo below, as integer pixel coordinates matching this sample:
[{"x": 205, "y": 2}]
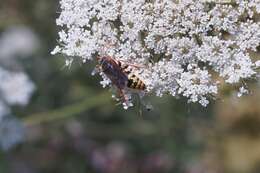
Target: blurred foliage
[{"x": 73, "y": 125}]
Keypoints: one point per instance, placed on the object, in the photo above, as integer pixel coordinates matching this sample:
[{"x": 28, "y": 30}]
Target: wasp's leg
[
  {"x": 122, "y": 95},
  {"x": 139, "y": 106},
  {"x": 132, "y": 65},
  {"x": 126, "y": 99},
  {"x": 148, "y": 106}
]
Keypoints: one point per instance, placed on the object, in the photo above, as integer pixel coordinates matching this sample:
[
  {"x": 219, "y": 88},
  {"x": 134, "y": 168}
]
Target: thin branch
[{"x": 67, "y": 111}]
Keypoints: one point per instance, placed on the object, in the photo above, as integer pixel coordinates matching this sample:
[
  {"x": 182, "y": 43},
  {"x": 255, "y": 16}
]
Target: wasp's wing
[{"x": 115, "y": 73}]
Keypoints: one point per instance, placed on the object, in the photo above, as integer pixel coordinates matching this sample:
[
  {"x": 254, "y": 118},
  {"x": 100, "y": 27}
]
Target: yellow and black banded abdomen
[{"x": 135, "y": 83}]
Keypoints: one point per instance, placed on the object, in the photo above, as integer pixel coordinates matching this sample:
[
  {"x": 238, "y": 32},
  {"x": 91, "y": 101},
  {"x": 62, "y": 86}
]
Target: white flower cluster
[
  {"x": 186, "y": 46},
  {"x": 23, "y": 42},
  {"x": 15, "y": 87}
]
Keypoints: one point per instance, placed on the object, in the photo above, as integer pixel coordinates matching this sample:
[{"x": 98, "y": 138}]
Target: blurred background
[{"x": 55, "y": 119}]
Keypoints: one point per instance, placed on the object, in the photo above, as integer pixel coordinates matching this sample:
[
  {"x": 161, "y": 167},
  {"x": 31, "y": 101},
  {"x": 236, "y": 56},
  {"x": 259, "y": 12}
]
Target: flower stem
[{"x": 67, "y": 111}]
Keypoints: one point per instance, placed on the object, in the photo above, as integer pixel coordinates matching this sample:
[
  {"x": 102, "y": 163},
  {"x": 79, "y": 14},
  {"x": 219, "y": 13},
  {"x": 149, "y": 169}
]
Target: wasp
[{"x": 120, "y": 75}]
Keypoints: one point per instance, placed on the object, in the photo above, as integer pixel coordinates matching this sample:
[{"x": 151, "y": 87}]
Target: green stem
[
  {"x": 93, "y": 129},
  {"x": 67, "y": 111}
]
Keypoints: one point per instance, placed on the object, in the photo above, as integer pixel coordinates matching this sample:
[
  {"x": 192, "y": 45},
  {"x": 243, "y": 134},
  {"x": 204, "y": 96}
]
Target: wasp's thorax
[{"x": 113, "y": 71}]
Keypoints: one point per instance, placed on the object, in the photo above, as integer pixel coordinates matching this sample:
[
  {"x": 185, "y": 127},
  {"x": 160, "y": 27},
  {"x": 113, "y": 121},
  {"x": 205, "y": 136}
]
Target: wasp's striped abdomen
[{"x": 135, "y": 83}]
